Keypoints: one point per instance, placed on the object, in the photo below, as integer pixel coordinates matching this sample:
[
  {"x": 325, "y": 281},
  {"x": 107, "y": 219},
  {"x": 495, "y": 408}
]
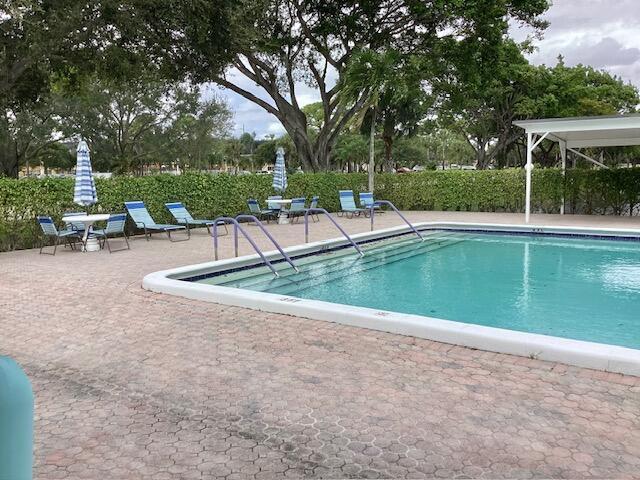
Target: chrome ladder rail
[
  {"x": 322, "y": 210},
  {"x": 237, "y": 227},
  {"x": 387, "y": 202}
]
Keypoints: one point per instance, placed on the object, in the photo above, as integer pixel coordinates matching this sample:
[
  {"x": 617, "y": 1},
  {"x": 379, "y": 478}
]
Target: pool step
[
  {"x": 355, "y": 268},
  {"x": 339, "y": 267},
  {"x": 322, "y": 266},
  {"x": 325, "y": 258},
  {"x": 249, "y": 278}
]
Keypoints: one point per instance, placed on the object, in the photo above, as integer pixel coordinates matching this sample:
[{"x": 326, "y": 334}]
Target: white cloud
[{"x": 600, "y": 33}]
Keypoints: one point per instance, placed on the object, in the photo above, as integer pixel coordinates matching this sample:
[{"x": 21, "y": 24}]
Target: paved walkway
[{"x": 135, "y": 385}]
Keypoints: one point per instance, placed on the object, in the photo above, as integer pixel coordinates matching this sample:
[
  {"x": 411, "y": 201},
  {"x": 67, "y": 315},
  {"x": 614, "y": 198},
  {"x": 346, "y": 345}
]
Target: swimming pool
[{"x": 576, "y": 291}]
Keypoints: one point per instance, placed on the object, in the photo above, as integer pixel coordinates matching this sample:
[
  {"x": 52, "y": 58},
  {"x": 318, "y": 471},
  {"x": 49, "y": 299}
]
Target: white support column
[
  {"x": 563, "y": 154},
  {"x": 528, "y": 167}
]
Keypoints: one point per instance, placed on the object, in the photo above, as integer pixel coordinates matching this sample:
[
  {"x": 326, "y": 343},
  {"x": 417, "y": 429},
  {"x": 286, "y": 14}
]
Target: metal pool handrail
[
  {"x": 260, "y": 225},
  {"x": 322, "y": 210},
  {"x": 237, "y": 227},
  {"x": 387, "y": 202}
]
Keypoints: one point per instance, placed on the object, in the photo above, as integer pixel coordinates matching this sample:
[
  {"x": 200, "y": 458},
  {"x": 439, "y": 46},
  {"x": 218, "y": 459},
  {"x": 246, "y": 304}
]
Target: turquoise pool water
[{"x": 584, "y": 289}]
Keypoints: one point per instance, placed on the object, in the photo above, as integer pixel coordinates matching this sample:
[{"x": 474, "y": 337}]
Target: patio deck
[{"x": 135, "y": 385}]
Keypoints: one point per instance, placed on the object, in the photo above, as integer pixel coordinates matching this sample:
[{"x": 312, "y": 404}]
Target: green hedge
[{"x": 207, "y": 196}]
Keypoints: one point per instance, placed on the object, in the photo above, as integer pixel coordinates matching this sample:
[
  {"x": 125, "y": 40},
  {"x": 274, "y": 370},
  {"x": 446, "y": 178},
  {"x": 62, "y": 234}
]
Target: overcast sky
[{"x": 601, "y": 33}]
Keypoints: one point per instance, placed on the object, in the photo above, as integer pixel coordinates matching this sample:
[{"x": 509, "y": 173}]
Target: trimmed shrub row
[{"x": 207, "y": 196}]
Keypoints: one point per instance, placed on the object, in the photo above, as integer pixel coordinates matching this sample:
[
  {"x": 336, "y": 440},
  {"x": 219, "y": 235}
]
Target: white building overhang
[{"x": 577, "y": 132}]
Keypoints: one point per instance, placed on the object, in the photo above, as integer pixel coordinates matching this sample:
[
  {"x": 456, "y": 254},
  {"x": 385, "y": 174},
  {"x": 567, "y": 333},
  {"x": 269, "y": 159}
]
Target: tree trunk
[
  {"x": 481, "y": 158},
  {"x": 8, "y": 150},
  {"x": 388, "y": 158},
  {"x": 372, "y": 151},
  {"x": 387, "y": 138}
]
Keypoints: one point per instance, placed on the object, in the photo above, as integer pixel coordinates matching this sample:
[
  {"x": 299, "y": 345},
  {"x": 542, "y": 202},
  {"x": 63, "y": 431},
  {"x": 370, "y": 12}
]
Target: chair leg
[
  {"x": 105, "y": 241},
  {"x": 181, "y": 239},
  {"x": 226, "y": 230},
  {"x": 44, "y": 245}
]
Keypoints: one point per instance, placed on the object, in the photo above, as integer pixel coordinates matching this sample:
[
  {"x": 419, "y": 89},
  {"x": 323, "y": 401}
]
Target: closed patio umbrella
[
  {"x": 84, "y": 192},
  {"x": 279, "y": 172}
]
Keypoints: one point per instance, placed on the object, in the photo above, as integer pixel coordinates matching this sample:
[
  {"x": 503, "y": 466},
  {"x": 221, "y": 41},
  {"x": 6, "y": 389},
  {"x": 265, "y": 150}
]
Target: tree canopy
[
  {"x": 284, "y": 42},
  {"x": 420, "y": 78}
]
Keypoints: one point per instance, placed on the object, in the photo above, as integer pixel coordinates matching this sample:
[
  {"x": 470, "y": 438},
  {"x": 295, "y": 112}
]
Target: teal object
[
  {"x": 16, "y": 422},
  {"x": 578, "y": 288}
]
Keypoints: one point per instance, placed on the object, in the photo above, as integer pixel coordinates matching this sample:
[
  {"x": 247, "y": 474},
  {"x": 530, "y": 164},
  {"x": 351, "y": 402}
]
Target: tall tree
[
  {"x": 46, "y": 40},
  {"x": 481, "y": 90},
  {"x": 484, "y": 92},
  {"x": 32, "y": 35},
  {"x": 398, "y": 100},
  {"x": 285, "y": 42},
  {"x": 148, "y": 120}
]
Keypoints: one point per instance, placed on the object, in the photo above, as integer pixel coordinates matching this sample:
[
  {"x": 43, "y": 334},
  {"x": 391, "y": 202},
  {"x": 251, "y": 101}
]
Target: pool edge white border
[{"x": 579, "y": 353}]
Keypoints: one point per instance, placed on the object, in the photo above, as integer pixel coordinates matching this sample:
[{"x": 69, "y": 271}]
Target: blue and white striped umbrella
[
  {"x": 279, "y": 172},
  {"x": 84, "y": 192}
]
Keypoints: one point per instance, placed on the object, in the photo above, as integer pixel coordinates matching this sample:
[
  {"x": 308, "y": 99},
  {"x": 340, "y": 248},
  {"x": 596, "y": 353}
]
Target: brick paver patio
[{"x": 135, "y": 385}]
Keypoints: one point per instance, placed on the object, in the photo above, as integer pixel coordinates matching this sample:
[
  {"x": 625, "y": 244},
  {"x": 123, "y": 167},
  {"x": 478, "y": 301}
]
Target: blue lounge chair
[
  {"x": 297, "y": 208},
  {"x": 115, "y": 227},
  {"x": 274, "y": 206},
  {"x": 78, "y": 226},
  {"x": 183, "y": 217},
  {"x": 366, "y": 201},
  {"x": 140, "y": 216},
  {"x": 266, "y": 214},
  {"x": 348, "y": 205},
  {"x": 314, "y": 204},
  {"x": 49, "y": 230}
]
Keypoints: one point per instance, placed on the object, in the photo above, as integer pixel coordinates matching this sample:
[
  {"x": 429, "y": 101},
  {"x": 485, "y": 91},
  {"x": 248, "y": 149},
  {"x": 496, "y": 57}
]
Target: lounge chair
[
  {"x": 366, "y": 201},
  {"x": 140, "y": 216},
  {"x": 78, "y": 226},
  {"x": 69, "y": 235},
  {"x": 348, "y": 205},
  {"x": 266, "y": 214},
  {"x": 115, "y": 227},
  {"x": 297, "y": 208},
  {"x": 274, "y": 206},
  {"x": 183, "y": 217},
  {"x": 314, "y": 204}
]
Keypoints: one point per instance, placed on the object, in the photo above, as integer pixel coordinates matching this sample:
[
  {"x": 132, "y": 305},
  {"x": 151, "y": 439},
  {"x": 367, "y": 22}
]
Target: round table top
[
  {"x": 282, "y": 201},
  {"x": 86, "y": 218}
]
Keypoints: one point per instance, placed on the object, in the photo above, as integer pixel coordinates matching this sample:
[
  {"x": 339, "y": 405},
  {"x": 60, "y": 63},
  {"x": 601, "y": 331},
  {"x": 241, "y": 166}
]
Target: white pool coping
[{"x": 597, "y": 356}]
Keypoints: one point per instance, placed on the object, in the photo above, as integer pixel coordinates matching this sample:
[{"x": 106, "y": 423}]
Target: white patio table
[
  {"x": 283, "y": 216},
  {"x": 90, "y": 243}
]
